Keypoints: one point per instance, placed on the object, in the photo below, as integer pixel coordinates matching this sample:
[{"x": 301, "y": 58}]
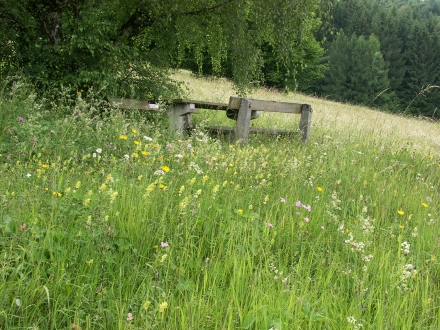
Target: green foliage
[
  {"x": 410, "y": 55},
  {"x": 357, "y": 71},
  {"x": 82, "y": 44}
]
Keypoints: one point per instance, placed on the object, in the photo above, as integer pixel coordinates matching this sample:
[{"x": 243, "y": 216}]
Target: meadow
[{"x": 108, "y": 221}]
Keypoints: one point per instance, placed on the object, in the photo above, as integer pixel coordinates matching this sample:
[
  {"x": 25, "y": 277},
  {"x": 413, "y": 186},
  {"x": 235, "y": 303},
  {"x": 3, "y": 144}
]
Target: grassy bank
[{"x": 108, "y": 222}]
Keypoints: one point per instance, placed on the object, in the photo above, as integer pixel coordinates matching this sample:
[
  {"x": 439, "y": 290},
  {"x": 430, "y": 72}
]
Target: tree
[
  {"x": 124, "y": 46},
  {"x": 357, "y": 71}
]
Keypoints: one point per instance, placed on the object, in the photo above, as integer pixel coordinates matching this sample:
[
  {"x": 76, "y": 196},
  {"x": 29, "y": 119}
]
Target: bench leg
[
  {"x": 177, "y": 122},
  {"x": 305, "y": 121},
  {"x": 244, "y": 121}
]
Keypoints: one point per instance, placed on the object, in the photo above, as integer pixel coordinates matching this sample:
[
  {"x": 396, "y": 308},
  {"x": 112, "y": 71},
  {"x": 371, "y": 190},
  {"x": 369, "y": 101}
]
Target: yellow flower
[
  {"x": 400, "y": 212},
  {"x": 147, "y": 304},
  {"x": 43, "y": 165},
  {"x": 164, "y": 257},
  {"x": 240, "y": 211},
  {"x": 78, "y": 185},
  {"x": 319, "y": 189},
  {"x": 136, "y": 142},
  {"x": 401, "y": 227},
  {"x": 166, "y": 169},
  {"x": 134, "y": 131},
  {"x": 123, "y": 137},
  {"x": 163, "y": 306},
  {"x": 144, "y": 153},
  {"x": 424, "y": 205}
]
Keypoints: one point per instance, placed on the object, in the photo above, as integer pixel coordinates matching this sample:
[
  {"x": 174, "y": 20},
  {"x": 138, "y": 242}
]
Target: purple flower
[
  {"x": 282, "y": 200},
  {"x": 307, "y": 207},
  {"x": 269, "y": 224},
  {"x": 164, "y": 244},
  {"x": 306, "y": 219},
  {"x": 298, "y": 213},
  {"x": 20, "y": 119},
  {"x": 298, "y": 203}
]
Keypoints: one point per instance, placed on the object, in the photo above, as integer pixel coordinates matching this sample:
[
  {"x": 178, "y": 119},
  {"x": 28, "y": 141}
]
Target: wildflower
[
  {"x": 400, "y": 212},
  {"x": 319, "y": 189},
  {"x": 306, "y": 219},
  {"x": 269, "y": 225},
  {"x": 164, "y": 257},
  {"x": 282, "y": 200},
  {"x": 20, "y": 119},
  {"x": 405, "y": 247},
  {"x": 144, "y": 153},
  {"x": 134, "y": 131},
  {"x": 169, "y": 146},
  {"x": 129, "y": 317},
  {"x": 147, "y": 304},
  {"x": 28, "y": 175},
  {"x": 44, "y": 166},
  {"x": 162, "y": 186},
  {"x": 298, "y": 203},
  {"x": 164, "y": 244},
  {"x": 166, "y": 169},
  {"x": 159, "y": 172},
  {"x": 178, "y": 156},
  {"x": 240, "y": 211},
  {"x": 148, "y": 138},
  {"x": 23, "y": 227},
  {"x": 126, "y": 157},
  {"x": 322, "y": 227},
  {"x": 163, "y": 306},
  {"x": 136, "y": 142},
  {"x": 99, "y": 150},
  {"x": 123, "y": 137},
  {"x": 78, "y": 185},
  {"x": 424, "y": 205},
  {"x": 266, "y": 199},
  {"x": 90, "y": 261}
]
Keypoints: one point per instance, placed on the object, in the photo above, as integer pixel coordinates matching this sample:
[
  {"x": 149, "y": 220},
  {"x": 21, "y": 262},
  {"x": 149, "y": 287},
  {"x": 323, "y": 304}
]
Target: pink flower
[
  {"x": 306, "y": 219},
  {"x": 298, "y": 203},
  {"x": 269, "y": 224},
  {"x": 282, "y": 200},
  {"x": 298, "y": 213},
  {"x": 164, "y": 244},
  {"x": 308, "y": 207},
  {"x": 20, "y": 119},
  {"x": 129, "y": 317}
]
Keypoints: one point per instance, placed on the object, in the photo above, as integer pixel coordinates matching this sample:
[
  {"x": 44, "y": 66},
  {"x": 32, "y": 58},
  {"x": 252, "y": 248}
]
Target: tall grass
[{"x": 109, "y": 222}]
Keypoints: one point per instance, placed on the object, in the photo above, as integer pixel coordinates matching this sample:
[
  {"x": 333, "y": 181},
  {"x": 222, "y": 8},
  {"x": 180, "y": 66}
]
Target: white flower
[
  {"x": 148, "y": 138},
  {"x": 159, "y": 172},
  {"x": 99, "y": 150},
  {"x": 28, "y": 175},
  {"x": 126, "y": 156},
  {"x": 178, "y": 156},
  {"x": 94, "y": 155}
]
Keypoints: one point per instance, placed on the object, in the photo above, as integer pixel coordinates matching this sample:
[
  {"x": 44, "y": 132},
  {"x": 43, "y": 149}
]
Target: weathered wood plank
[
  {"x": 134, "y": 104},
  {"x": 269, "y": 106},
  {"x": 202, "y": 104},
  {"x": 306, "y": 121},
  {"x": 254, "y": 130},
  {"x": 244, "y": 121}
]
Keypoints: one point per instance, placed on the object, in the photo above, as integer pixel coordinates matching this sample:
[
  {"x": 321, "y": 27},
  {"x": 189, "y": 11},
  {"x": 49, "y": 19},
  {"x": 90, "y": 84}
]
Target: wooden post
[
  {"x": 305, "y": 121},
  {"x": 177, "y": 118},
  {"x": 244, "y": 121}
]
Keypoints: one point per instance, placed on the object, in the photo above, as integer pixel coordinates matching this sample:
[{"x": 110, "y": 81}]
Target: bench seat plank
[
  {"x": 269, "y": 106},
  {"x": 135, "y": 104},
  {"x": 203, "y": 104}
]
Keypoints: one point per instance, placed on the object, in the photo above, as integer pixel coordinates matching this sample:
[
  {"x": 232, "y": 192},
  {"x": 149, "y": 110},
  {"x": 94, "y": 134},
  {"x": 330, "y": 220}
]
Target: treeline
[
  {"x": 384, "y": 54},
  {"x": 380, "y": 53}
]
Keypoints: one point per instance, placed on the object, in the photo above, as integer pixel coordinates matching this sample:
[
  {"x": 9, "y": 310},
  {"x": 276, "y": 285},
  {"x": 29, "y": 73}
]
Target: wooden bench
[{"x": 180, "y": 110}]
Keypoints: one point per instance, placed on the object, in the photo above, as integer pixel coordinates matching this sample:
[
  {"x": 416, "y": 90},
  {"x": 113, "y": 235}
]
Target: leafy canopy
[{"x": 125, "y": 46}]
